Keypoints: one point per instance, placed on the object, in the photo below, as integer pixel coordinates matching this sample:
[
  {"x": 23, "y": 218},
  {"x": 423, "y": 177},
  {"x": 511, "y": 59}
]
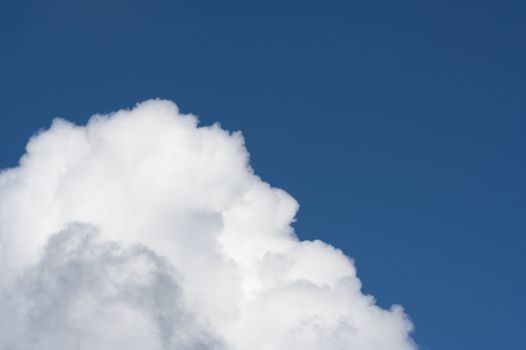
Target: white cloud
[{"x": 192, "y": 250}]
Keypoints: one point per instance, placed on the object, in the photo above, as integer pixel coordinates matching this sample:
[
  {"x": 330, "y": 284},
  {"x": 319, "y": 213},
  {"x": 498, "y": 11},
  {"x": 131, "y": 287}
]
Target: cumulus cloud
[{"x": 142, "y": 230}]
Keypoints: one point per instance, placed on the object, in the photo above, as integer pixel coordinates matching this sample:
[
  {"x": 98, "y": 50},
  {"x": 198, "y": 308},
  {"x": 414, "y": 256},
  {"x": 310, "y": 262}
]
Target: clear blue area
[{"x": 400, "y": 126}]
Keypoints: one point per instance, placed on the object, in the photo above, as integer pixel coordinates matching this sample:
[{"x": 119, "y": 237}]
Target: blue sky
[{"x": 399, "y": 126}]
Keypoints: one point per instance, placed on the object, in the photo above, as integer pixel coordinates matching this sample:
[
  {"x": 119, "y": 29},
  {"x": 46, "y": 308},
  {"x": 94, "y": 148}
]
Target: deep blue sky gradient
[{"x": 400, "y": 126}]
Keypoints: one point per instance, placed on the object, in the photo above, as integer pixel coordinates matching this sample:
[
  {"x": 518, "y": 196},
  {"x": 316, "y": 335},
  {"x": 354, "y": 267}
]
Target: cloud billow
[{"x": 143, "y": 230}]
